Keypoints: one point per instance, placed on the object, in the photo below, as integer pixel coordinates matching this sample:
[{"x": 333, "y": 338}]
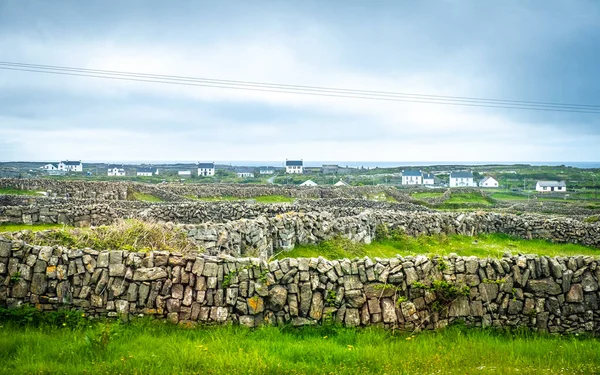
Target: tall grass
[
  {"x": 150, "y": 347},
  {"x": 132, "y": 235}
]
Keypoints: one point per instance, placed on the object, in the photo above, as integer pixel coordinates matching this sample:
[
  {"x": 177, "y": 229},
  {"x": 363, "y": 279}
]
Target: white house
[
  {"x": 488, "y": 182},
  {"x": 412, "y": 177},
  {"x": 428, "y": 179},
  {"x": 116, "y": 170},
  {"x": 340, "y": 183},
  {"x": 548, "y": 186},
  {"x": 206, "y": 169},
  {"x": 184, "y": 173},
  {"x": 266, "y": 170},
  {"x": 461, "y": 179},
  {"x": 50, "y": 167},
  {"x": 308, "y": 183},
  {"x": 70, "y": 166},
  {"x": 146, "y": 171},
  {"x": 293, "y": 166},
  {"x": 245, "y": 174}
]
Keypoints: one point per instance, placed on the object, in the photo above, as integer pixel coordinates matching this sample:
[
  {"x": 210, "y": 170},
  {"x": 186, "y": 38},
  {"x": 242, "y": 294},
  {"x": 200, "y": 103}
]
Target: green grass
[
  {"x": 10, "y": 227},
  {"x": 460, "y": 198},
  {"x": 492, "y": 245},
  {"x": 18, "y": 192},
  {"x": 260, "y": 199},
  {"x": 145, "y": 197},
  {"x": 509, "y": 196},
  {"x": 150, "y": 347},
  {"x": 423, "y": 195},
  {"x": 274, "y": 199}
]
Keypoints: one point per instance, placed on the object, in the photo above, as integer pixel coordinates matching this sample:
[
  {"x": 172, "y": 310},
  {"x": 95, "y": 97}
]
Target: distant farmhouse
[
  {"x": 52, "y": 169},
  {"x": 340, "y": 183},
  {"x": 428, "y": 179},
  {"x": 184, "y": 173},
  {"x": 266, "y": 170},
  {"x": 206, "y": 169},
  {"x": 335, "y": 169},
  {"x": 330, "y": 169},
  {"x": 308, "y": 183},
  {"x": 116, "y": 170},
  {"x": 550, "y": 186},
  {"x": 243, "y": 173},
  {"x": 461, "y": 179},
  {"x": 70, "y": 166},
  {"x": 412, "y": 177},
  {"x": 293, "y": 166},
  {"x": 147, "y": 171},
  {"x": 63, "y": 167},
  {"x": 488, "y": 182}
]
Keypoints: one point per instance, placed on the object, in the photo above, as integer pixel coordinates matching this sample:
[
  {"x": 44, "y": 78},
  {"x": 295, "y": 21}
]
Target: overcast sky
[{"x": 518, "y": 50}]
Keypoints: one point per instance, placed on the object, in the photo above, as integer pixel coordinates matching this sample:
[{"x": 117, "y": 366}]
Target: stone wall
[
  {"x": 558, "y": 295},
  {"x": 16, "y": 209}
]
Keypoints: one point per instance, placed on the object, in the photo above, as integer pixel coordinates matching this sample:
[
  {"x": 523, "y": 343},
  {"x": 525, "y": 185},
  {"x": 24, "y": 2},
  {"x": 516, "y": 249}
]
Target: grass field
[
  {"x": 151, "y": 347},
  {"x": 145, "y": 197},
  {"x": 459, "y": 198},
  {"x": 260, "y": 199},
  {"x": 427, "y": 195},
  {"x": 10, "y": 227},
  {"x": 493, "y": 245},
  {"x": 508, "y": 196},
  {"x": 18, "y": 192}
]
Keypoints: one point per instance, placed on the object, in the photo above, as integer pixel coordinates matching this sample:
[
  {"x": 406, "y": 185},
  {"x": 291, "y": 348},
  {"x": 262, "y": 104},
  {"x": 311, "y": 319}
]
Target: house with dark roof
[
  {"x": 551, "y": 186},
  {"x": 488, "y": 182},
  {"x": 428, "y": 179},
  {"x": 206, "y": 169},
  {"x": 147, "y": 171},
  {"x": 412, "y": 177},
  {"x": 115, "y": 170},
  {"x": 294, "y": 166},
  {"x": 462, "y": 179},
  {"x": 70, "y": 166}
]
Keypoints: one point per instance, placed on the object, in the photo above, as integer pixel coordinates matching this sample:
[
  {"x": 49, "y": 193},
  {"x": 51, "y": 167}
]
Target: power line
[{"x": 304, "y": 90}]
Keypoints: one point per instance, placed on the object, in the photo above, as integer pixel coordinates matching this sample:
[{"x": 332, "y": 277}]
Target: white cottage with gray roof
[
  {"x": 462, "y": 179},
  {"x": 206, "y": 169},
  {"x": 551, "y": 186}
]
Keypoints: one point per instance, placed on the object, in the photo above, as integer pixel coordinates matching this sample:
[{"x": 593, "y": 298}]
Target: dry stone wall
[{"x": 559, "y": 295}]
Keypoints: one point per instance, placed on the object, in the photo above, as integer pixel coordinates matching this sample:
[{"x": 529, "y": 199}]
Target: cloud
[{"x": 479, "y": 51}]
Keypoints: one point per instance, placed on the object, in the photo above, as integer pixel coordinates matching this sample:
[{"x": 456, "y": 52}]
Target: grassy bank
[
  {"x": 147, "y": 347},
  {"x": 422, "y": 195},
  {"x": 493, "y": 245},
  {"x": 260, "y": 199},
  {"x": 18, "y": 192},
  {"x": 10, "y": 227},
  {"x": 131, "y": 235}
]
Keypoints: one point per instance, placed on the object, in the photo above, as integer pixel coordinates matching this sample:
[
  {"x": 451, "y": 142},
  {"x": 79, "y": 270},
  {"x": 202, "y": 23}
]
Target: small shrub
[{"x": 15, "y": 277}]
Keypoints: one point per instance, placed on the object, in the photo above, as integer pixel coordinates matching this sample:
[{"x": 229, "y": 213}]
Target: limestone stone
[
  {"x": 277, "y": 297},
  {"x": 575, "y": 293}
]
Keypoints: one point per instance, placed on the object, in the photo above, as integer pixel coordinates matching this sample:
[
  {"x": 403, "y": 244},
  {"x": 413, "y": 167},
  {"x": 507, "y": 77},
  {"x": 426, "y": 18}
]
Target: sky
[{"x": 539, "y": 50}]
